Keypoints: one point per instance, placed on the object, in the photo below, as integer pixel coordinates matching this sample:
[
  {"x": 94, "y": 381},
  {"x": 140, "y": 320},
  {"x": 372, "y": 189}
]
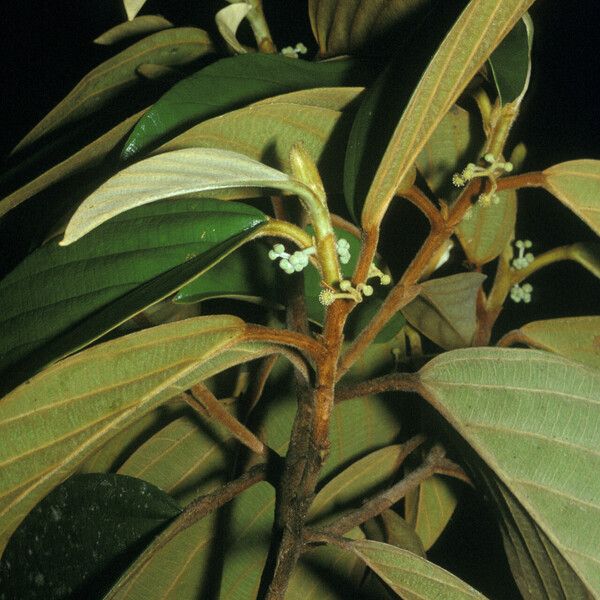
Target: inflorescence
[
  {"x": 290, "y": 52},
  {"x": 471, "y": 171},
  {"x": 524, "y": 259}
]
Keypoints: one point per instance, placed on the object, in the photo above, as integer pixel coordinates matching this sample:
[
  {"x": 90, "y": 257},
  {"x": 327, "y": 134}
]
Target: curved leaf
[
  {"x": 342, "y": 28},
  {"x": 409, "y": 575},
  {"x": 138, "y": 26},
  {"x": 429, "y": 508},
  {"x": 576, "y": 184},
  {"x": 169, "y": 47},
  {"x": 228, "y": 20},
  {"x": 456, "y": 61},
  {"x": 87, "y": 157},
  {"x": 81, "y": 535},
  {"x": 170, "y": 175},
  {"x": 52, "y": 423},
  {"x": 266, "y": 130},
  {"x": 59, "y": 299},
  {"x": 533, "y": 417},
  {"x": 577, "y": 338},
  {"x": 510, "y": 62},
  {"x": 445, "y": 309},
  {"x": 231, "y": 83},
  {"x": 186, "y": 458}
]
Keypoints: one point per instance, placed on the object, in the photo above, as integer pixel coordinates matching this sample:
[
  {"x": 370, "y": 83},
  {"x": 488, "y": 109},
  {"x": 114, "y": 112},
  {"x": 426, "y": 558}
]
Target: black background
[{"x": 46, "y": 47}]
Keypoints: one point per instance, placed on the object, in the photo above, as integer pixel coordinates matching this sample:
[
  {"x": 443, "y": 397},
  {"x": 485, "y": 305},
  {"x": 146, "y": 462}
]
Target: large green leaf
[
  {"x": 81, "y": 535},
  {"x": 445, "y": 309},
  {"x": 59, "y": 299},
  {"x": 358, "y": 481},
  {"x": 169, "y": 47},
  {"x": 429, "y": 508},
  {"x": 342, "y": 28},
  {"x": 577, "y": 338},
  {"x": 209, "y": 559},
  {"x": 186, "y": 458},
  {"x": 457, "y": 60},
  {"x": 171, "y": 175},
  {"x": 267, "y": 130},
  {"x": 510, "y": 62},
  {"x": 534, "y": 418},
  {"x": 56, "y": 420},
  {"x": 409, "y": 575},
  {"x": 576, "y": 184},
  {"x": 231, "y": 83},
  {"x": 87, "y": 157}
]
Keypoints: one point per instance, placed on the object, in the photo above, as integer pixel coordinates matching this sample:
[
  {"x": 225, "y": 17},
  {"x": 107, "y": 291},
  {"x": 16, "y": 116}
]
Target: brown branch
[
  {"x": 201, "y": 395},
  {"x": 415, "y": 196},
  {"x": 191, "y": 514},
  {"x": 380, "y": 502},
  {"x": 394, "y": 382},
  {"x": 533, "y": 179}
]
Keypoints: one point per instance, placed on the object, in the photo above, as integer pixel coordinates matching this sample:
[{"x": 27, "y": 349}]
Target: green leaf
[
  {"x": 81, "y": 535},
  {"x": 133, "y": 7},
  {"x": 539, "y": 570},
  {"x": 343, "y": 28},
  {"x": 577, "y": 338},
  {"x": 455, "y": 141},
  {"x": 138, "y": 26},
  {"x": 445, "y": 309},
  {"x": 55, "y": 421},
  {"x": 510, "y": 62},
  {"x": 228, "y": 20},
  {"x": 409, "y": 575},
  {"x": 576, "y": 184},
  {"x": 59, "y": 299},
  {"x": 533, "y": 417},
  {"x": 358, "y": 481},
  {"x": 456, "y": 61},
  {"x": 89, "y": 156},
  {"x": 190, "y": 565},
  {"x": 231, "y": 83},
  {"x": 487, "y": 230},
  {"x": 266, "y": 130},
  {"x": 169, "y": 47},
  {"x": 170, "y": 175},
  {"x": 186, "y": 458},
  {"x": 429, "y": 508}
]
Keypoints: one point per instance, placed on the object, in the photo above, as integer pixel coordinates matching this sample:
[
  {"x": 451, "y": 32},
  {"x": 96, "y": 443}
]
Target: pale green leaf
[
  {"x": 228, "y": 20},
  {"x": 479, "y": 29},
  {"x": 534, "y": 418},
  {"x": 169, "y": 175},
  {"x": 445, "y": 309},
  {"x": 55, "y": 421},
  {"x": 429, "y": 508},
  {"x": 169, "y": 47},
  {"x": 267, "y": 130},
  {"x": 360, "y": 480},
  {"x": 343, "y": 27},
  {"x": 89, "y": 156},
  {"x": 138, "y": 26},
  {"x": 576, "y": 184},
  {"x": 409, "y": 575},
  {"x": 577, "y": 338},
  {"x": 190, "y": 565},
  {"x": 133, "y": 7}
]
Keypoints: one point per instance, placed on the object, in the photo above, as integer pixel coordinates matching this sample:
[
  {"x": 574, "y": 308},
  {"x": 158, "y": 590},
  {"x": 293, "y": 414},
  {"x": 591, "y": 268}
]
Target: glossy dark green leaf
[
  {"x": 231, "y": 83},
  {"x": 61, "y": 298},
  {"x": 510, "y": 62},
  {"x": 169, "y": 47},
  {"x": 82, "y": 535}
]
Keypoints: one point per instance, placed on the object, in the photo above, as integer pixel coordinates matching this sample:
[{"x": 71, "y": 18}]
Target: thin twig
[
  {"x": 394, "y": 382},
  {"x": 415, "y": 196}
]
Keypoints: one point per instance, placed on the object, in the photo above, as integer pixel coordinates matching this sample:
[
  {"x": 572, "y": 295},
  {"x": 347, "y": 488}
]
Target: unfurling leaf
[{"x": 228, "y": 20}]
